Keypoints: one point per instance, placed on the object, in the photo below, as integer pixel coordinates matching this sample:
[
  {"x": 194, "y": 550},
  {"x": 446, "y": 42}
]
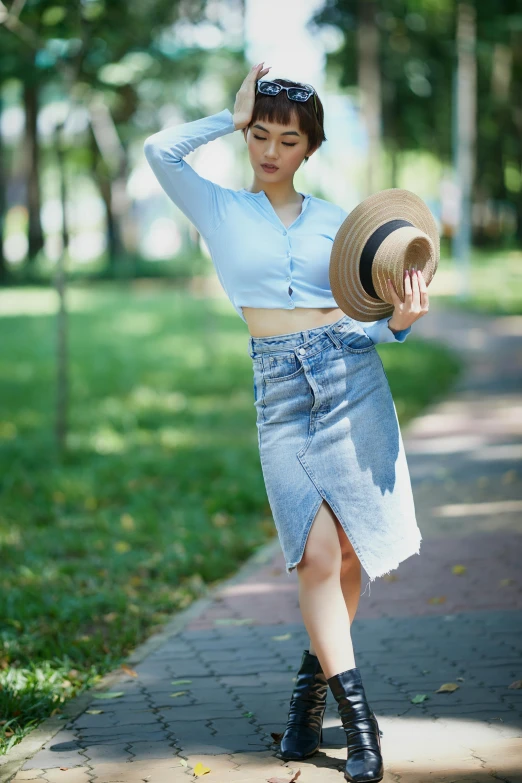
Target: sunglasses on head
[{"x": 301, "y": 93}]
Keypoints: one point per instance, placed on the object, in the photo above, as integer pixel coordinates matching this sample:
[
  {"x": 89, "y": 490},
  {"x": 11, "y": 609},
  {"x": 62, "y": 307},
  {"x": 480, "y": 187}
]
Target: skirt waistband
[{"x": 291, "y": 340}]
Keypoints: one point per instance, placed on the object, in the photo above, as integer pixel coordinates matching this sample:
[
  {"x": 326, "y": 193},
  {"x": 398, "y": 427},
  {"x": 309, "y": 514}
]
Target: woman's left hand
[{"x": 416, "y": 301}]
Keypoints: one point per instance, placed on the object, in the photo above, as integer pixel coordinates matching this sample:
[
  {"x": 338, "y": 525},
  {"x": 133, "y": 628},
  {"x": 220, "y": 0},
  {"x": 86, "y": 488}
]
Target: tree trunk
[
  {"x": 465, "y": 136},
  {"x": 369, "y": 76},
  {"x": 104, "y": 186},
  {"x": 36, "y": 238},
  {"x": 62, "y": 382},
  {"x": 3, "y": 203}
]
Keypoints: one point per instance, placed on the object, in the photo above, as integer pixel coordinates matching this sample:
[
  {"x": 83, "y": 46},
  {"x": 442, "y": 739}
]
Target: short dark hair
[{"x": 279, "y": 109}]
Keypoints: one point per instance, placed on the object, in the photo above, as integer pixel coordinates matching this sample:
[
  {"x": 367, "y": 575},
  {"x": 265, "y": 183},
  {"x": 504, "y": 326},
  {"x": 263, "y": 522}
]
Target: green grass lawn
[{"x": 161, "y": 491}]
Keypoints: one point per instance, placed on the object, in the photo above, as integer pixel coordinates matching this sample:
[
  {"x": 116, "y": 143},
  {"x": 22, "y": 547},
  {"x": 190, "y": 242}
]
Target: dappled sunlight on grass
[
  {"x": 136, "y": 324},
  {"x": 147, "y": 398}
]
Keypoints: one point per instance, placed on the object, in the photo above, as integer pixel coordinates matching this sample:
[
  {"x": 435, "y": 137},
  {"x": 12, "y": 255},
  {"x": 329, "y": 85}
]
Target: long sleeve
[
  {"x": 202, "y": 201},
  {"x": 379, "y": 331}
]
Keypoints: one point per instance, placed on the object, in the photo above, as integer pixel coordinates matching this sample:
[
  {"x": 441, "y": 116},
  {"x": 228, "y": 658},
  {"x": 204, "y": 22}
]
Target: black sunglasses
[{"x": 301, "y": 93}]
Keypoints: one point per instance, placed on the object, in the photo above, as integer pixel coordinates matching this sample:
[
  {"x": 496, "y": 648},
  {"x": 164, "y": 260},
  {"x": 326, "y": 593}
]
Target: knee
[{"x": 319, "y": 562}]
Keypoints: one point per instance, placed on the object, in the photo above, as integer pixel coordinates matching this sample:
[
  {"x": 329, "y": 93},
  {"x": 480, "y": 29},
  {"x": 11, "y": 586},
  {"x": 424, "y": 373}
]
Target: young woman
[{"x": 330, "y": 444}]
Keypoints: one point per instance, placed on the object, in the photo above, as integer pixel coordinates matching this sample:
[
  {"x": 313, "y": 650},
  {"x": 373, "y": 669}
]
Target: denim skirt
[{"x": 328, "y": 430}]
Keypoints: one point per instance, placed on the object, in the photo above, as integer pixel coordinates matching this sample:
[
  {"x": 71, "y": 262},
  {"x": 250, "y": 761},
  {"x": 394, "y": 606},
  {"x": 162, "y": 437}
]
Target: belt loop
[{"x": 333, "y": 338}]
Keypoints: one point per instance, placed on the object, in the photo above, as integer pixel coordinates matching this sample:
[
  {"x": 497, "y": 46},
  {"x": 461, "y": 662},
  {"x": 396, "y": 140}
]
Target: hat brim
[{"x": 352, "y": 236}]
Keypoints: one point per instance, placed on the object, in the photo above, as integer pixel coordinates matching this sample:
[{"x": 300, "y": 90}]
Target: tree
[{"x": 417, "y": 57}]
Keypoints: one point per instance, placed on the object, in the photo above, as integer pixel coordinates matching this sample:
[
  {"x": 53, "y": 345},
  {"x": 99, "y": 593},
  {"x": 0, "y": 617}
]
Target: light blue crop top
[{"x": 259, "y": 262}]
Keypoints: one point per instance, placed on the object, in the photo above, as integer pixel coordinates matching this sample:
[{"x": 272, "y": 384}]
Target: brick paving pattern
[{"x": 426, "y": 624}]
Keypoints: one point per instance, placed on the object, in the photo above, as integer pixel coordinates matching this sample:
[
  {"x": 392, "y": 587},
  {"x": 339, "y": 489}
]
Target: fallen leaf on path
[
  {"x": 419, "y": 698},
  {"x": 129, "y": 671},
  {"x": 200, "y": 769},
  {"x": 391, "y": 577},
  {"x": 285, "y": 780},
  {"x": 437, "y": 599},
  {"x": 109, "y": 695},
  {"x": 276, "y": 736},
  {"x": 233, "y": 621},
  {"x": 516, "y": 684},
  {"x": 506, "y": 582},
  {"x": 448, "y": 687},
  {"x": 183, "y": 762},
  {"x": 459, "y": 569},
  {"x": 178, "y": 693},
  {"x": 282, "y": 638},
  {"x": 248, "y": 714},
  {"x": 64, "y": 769},
  {"x": 94, "y": 712},
  {"x": 180, "y": 682}
]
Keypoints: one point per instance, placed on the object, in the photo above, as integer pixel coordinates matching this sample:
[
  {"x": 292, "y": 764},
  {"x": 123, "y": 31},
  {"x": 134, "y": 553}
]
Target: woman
[{"x": 330, "y": 444}]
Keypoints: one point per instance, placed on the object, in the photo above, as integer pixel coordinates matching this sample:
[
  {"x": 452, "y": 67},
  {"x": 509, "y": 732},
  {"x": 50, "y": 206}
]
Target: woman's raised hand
[
  {"x": 416, "y": 300},
  {"x": 245, "y": 96}
]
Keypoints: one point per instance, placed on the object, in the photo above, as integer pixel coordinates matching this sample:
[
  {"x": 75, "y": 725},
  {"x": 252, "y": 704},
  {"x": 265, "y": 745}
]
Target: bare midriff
[{"x": 269, "y": 322}]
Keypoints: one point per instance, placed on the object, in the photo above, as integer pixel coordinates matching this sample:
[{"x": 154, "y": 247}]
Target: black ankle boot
[
  {"x": 364, "y": 763},
  {"x": 304, "y": 733}
]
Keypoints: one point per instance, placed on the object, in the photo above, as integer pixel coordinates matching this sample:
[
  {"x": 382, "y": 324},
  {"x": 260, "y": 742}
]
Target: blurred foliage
[
  {"x": 161, "y": 492},
  {"x": 417, "y": 64},
  {"x": 178, "y": 270},
  {"x": 494, "y": 280},
  {"x": 124, "y": 57}
]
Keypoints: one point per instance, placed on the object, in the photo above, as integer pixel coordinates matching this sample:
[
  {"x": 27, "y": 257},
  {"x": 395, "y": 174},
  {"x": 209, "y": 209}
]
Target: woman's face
[{"x": 283, "y": 146}]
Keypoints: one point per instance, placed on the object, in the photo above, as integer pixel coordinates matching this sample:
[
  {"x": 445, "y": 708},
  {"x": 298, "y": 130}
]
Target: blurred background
[
  {"x": 421, "y": 94},
  {"x": 128, "y": 448}
]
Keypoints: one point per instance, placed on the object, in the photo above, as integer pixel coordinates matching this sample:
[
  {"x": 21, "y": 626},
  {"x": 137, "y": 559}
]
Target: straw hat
[{"x": 385, "y": 234}]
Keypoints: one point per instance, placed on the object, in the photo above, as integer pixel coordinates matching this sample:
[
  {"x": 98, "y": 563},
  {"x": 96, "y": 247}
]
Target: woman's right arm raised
[{"x": 202, "y": 201}]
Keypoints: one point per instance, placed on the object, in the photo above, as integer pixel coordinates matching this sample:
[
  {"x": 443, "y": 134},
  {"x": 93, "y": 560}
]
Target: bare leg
[
  {"x": 350, "y": 577},
  {"x": 322, "y": 599}
]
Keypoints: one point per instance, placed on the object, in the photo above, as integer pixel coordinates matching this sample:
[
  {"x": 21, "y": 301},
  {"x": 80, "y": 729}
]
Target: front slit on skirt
[{"x": 328, "y": 430}]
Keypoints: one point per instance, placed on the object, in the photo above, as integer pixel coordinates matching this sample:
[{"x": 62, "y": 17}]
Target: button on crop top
[{"x": 259, "y": 262}]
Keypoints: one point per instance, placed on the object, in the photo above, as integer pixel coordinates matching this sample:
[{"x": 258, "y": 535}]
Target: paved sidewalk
[{"x": 451, "y": 615}]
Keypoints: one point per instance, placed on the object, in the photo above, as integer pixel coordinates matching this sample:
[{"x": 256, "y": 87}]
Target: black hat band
[{"x": 370, "y": 249}]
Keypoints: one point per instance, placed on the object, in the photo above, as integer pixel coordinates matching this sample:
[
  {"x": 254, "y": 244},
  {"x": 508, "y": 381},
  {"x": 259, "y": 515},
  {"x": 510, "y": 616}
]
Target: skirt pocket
[
  {"x": 356, "y": 341},
  {"x": 280, "y": 366}
]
